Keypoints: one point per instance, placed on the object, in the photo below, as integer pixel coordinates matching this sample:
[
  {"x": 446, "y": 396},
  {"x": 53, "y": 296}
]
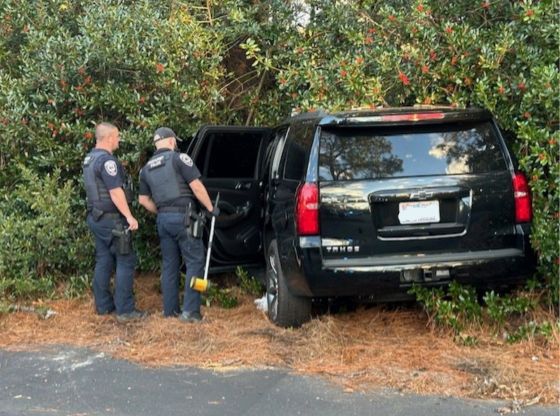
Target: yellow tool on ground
[{"x": 198, "y": 284}]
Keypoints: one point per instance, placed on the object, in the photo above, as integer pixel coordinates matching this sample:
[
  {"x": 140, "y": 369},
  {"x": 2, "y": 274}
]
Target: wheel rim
[{"x": 272, "y": 288}]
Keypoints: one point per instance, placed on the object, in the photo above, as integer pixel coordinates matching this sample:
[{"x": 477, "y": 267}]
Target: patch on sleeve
[
  {"x": 186, "y": 159},
  {"x": 110, "y": 167}
]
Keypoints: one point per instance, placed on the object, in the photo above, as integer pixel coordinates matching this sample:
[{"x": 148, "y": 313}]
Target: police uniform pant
[
  {"x": 176, "y": 242},
  {"x": 106, "y": 258}
]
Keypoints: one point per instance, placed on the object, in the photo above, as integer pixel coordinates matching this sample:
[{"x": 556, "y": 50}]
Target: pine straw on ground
[{"x": 370, "y": 348}]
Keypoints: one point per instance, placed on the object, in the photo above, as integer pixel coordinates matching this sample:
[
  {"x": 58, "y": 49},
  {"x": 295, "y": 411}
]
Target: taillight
[
  {"x": 522, "y": 197},
  {"x": 307, "y": 209}
]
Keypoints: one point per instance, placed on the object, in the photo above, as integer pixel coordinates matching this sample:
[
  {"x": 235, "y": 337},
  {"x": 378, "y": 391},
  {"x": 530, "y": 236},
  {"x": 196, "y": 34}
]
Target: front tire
[{"x": 284, "y": 309}]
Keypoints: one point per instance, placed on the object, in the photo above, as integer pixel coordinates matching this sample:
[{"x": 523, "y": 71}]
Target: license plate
[{"x": 419, "y": 212}]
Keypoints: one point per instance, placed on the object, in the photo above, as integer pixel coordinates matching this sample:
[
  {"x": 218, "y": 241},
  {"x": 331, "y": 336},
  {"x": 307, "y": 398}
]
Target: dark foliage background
[{"x": 65, "y": 65}]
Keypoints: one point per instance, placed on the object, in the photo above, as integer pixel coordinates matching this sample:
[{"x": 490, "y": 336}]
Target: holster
[
  {"x": 194, "y": 221},
  {"x": 123, "y": 240},
  {"x": 96, "y": 214}
]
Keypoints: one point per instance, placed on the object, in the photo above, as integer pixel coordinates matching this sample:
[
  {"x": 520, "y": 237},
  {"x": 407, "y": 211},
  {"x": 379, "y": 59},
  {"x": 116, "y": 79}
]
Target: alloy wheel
[{"x": 272, "y": 288}]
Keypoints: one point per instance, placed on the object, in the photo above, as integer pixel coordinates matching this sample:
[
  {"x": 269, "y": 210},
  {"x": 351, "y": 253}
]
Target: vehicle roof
[{"x": 377, "y": 116}]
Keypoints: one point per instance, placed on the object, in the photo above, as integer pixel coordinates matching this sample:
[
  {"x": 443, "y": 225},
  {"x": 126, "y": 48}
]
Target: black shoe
[
  {"x": 109, "y": 312},
  {"x": 132, "y": 316},
  {"x": 190, "y": 317},
  {"x": 173, "y": 314}
]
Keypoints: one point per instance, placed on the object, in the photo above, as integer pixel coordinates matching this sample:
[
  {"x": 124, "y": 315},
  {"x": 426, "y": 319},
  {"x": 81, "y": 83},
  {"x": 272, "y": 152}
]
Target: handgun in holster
[
  {"x": 194, "y": 221},
  {"x": 96, "y": 214},
  {"x": 124, "y": 240}
]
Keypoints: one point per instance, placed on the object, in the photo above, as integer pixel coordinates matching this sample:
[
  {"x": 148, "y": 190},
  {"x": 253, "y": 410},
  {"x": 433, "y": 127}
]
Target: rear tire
[{"x": 284, "y": 309}]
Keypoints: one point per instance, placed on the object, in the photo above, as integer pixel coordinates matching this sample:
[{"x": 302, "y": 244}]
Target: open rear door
[{"x": 231, "y": 161}]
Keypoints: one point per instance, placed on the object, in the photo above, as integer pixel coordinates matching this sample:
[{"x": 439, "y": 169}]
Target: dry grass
[{"x": 369, "y": 348}]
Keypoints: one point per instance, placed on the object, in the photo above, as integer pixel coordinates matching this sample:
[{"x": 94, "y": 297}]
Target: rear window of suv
[{"x": 447, "y": 149}]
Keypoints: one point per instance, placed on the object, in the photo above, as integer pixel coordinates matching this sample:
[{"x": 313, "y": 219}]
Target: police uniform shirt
[
  {"x": 111, "y": 173},
  {"x": 182, "y": 164},
  {"x": 110, "y": 170}
]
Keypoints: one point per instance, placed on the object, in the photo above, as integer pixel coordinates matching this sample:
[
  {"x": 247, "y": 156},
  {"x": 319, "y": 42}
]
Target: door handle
[
  {"x": 244, "y": 210},
  {"x": 242, "y": 185}
]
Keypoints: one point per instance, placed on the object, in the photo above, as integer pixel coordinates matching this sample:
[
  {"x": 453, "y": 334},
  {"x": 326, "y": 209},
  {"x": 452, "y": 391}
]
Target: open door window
[{"x": 230, "y": 160}]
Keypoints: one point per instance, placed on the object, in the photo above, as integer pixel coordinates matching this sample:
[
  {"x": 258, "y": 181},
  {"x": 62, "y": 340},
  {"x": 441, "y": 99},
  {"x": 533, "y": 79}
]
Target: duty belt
[
  {"x": 171, "y": 209},
  {"x": 112, "y": 215},
  {"x": 100, "y": 214}
]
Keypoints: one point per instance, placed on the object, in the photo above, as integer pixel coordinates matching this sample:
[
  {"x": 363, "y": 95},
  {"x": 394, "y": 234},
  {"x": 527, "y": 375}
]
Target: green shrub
[
  {"x": 532, "y": 330},
  {"x": 509, "y": 316},
  {"x": 222, "y": 297},
  {"x": 27, "y": 287},
  {"x": 67, "y": 65},
  {"x": 500, "y": 308},
  {"x": 77, "y": 286},
  {"x": 42, "y": 240},
  {"x": 457, "y": 309},
  {"x": 248, "y": 284}
]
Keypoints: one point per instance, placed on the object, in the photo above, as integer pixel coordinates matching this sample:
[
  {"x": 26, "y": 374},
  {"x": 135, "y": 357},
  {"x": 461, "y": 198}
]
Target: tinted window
[
  {"x": 360, "y": 153},
  {"x": 232, "y": 155},
  {"x": 300, "y": 139},
  {"x": 186, "y": 145},
  {"x": 201, "y": 155}
]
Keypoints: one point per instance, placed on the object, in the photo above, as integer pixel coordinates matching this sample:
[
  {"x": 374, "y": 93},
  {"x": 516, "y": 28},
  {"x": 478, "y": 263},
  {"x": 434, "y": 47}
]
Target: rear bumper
[
  {"x": 410, "y": 262},
  {"x": 386, "y": 275}
]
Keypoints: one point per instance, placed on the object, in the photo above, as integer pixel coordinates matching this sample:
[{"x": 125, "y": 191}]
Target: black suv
[{"x": 367, "y": 203}]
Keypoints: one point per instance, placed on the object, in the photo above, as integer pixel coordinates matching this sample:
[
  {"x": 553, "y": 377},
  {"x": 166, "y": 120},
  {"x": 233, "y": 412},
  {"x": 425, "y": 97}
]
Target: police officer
[
  {"x": 110, "y": 220},
  {"x": 169, "y": 182}
]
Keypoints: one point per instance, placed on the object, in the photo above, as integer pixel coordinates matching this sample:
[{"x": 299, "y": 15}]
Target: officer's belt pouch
[
  {"x": 197, "y": 227},
  {"x": 123, "y": 240},
  {"x": 194, "y": 222},
  {"x": 96, "y": 214}
]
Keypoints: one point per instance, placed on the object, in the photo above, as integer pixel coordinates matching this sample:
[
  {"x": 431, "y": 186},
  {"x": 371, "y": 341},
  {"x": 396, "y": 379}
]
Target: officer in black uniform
[
  {"x": 169, "y": 182},
  {"x": 111, "y": 222}
]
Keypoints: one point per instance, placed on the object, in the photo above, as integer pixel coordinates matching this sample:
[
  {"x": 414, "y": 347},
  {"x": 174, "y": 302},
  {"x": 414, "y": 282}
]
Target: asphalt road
[{"x": 66, "y": 381}]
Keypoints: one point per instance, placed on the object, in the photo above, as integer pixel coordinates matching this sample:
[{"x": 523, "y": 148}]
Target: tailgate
[{"x": 418, "y": 190}]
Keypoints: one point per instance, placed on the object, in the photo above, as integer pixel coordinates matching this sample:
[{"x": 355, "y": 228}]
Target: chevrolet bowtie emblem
[{"x": 421, "y": 195}]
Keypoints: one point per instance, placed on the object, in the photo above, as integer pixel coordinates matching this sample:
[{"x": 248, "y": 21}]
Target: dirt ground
[{"x": 373, "y": 347}]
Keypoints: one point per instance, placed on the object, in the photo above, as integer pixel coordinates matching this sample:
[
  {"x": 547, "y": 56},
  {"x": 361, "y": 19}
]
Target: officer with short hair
[
  {"x": 169, "y": 182},
  {"x": 110, "y": 220}
]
